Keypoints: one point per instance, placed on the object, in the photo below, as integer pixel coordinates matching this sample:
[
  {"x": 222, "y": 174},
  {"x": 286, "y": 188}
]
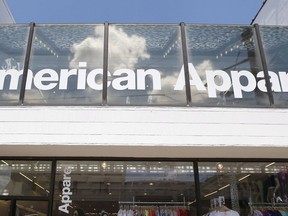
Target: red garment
[
  {"x": 152, "y": 212},
  {"x": 183, "y": 212}
]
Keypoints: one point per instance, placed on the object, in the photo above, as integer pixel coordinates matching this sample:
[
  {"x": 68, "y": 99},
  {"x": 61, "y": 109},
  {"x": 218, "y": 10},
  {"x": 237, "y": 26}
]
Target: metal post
[
  {"x": 197, "y": 188},
  {"x": 186, "y": 67},
  {"x": 105, "y": 64},
  {"x": 26, "y": 63},
  {"x": 52, "y": 187},
  {"x": 264, "y": 64}
]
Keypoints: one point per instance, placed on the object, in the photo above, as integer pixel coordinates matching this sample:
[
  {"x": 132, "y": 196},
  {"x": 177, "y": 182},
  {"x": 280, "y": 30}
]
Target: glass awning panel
[{"x": 143, "y": 65}]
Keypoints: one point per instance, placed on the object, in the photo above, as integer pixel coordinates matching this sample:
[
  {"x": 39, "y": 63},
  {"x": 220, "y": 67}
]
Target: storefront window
[
  {"x": 161, "y": 188},
  {"x": 66, "y": 65},
  {"x": 25, "y": 178},
  {"x": 32, "y": 208},
  {"x": 224, "y": 66},
  {"x": 144, "y": 64},
  {"x": 125, "y": 188},
  {"x": 13, "y": 44},
  {"x": 275, "y": 43},
  {"x": 242, "y": 187},
  {"x": 4, "y": 207}
]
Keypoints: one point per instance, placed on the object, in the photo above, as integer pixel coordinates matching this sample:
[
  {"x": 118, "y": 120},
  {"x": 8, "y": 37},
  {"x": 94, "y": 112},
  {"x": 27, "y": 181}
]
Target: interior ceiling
[{"x": 137, "y": 177}]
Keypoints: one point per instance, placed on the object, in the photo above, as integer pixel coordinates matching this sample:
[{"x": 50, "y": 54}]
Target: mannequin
[
  {"x": 272, "y": 186},
  {"x": 220, "y": 208}
]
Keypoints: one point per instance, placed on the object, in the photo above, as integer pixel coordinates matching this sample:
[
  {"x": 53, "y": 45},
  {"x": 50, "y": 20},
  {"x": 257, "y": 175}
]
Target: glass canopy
[{"x": 143, "y": 65}]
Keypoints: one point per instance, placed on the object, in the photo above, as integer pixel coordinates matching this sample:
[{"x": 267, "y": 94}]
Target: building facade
[{"x": 122, "y": 119}]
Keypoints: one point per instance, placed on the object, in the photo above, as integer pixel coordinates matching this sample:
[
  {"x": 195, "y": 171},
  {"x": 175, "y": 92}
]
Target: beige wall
[
  {"x": 144, "y": 132},
  {"x": 5, "y": 14},
  {"x": 274, "y": 12}
]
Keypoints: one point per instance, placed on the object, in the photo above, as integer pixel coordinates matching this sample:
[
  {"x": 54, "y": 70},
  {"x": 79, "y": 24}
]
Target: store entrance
[
  {"x": 23, "y": 207},
  {"x": 108, "y": 188}
]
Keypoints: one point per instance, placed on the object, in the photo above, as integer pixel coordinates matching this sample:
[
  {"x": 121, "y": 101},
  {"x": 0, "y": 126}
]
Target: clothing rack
[
  {"x": 152, "y": 208},
  {"x": 133, "y": 202},
  {"x": 268, "y": 204},
  {"x": 274, "y": 207},
  {"x": 151, "y": 203}
]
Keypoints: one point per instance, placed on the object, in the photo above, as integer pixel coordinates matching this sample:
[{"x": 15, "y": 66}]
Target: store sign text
[
  {"x": 127, "y": 79},
  {"x": 66, "y": 191}
]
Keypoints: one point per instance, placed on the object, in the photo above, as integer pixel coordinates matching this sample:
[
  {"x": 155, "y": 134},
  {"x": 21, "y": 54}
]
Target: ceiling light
[
  {"x": 244, "y": 177},
  {"x": 5, "y": 192},
  {"x": 219, "y": 166},
  {"x": 104, "y": 165},
  {"x": 210, "y": 193},
  {"x": 269, "y": 164}
]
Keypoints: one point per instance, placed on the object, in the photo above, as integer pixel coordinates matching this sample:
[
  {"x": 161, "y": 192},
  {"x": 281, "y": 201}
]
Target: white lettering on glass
[
  {"x": 66, "y": 191},
  {"x": 127, "y": 79}
]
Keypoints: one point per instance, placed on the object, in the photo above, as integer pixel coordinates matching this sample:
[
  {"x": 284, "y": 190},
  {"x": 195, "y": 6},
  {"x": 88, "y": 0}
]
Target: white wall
[
  {"x": 274, "y": 12},
  {"x": 5, "y": 14},
  {"x": 144, "y": 132}
]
